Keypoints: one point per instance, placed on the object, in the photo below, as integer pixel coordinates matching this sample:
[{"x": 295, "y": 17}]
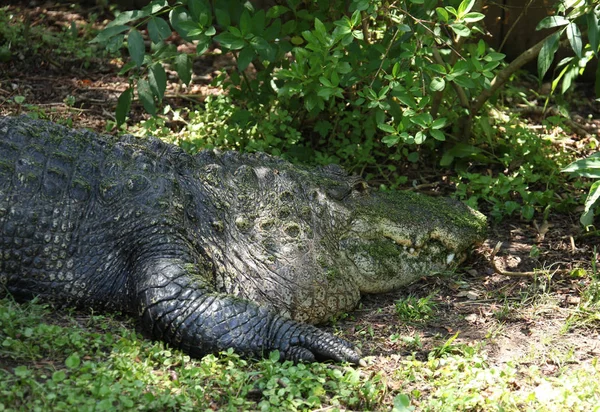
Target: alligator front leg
[{"x": 182, "y": 311}]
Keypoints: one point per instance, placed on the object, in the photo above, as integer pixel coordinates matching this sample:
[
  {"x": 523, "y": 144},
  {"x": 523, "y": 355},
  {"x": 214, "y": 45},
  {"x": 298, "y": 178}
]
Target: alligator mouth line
[{"x": 407, "y": 245}]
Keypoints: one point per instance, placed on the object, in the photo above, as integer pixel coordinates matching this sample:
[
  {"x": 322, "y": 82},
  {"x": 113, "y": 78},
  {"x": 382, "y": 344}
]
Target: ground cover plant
[{"x": 517, "y": 329}]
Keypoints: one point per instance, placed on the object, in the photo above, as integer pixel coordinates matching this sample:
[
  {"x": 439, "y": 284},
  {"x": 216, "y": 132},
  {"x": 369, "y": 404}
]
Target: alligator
[{"x": 212, "y": 250}]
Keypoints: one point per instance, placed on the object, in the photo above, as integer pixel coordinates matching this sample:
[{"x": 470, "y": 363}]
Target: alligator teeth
[{"x": 449, "y": 258}]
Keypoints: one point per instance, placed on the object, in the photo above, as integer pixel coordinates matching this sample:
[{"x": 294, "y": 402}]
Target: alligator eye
[
  {"x": 360, "y": 187},
  {"x": 338, "y": 192}
]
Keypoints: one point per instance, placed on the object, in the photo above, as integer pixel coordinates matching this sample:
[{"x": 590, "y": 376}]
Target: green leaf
[
  {"x": 527, "y": 212},
  {"x": 493, "y": 56},
  {"x": 588, "y": 167},
  {"x": 406, "y": 98},
  {"x": 438, "y": 123},
  {"x": 402, "y": 404},
  {"x": 590, "y": 203},
  {"x": 200, "y": 12},
  {"x": 128, "y": 66},
  {"x": 145, "y": 96},
  {"x": 451, "y": 10},
  {"x": 420, "y": 137},
  {"x": 437, "y": 84},
  {"x": 325, "y": 82},
  {"x": 260, "y": 44},
  {"x": 73, "y": 361},
  {"x": 312, "y": 102},
  {"x": 437, "y": 135},
  {"x": 223, "y": 18},
  {"x": 473, "y": 17},
  {"x": 182, "y": 22},
  {"x": 438, "y": 68},
  {"x": 183, "y": 66},
  {"x": 327, "y": 92},
  {"x": 320, "y": 28},
  {"x": 244, "y": 58},
  {"x": 203, "y": 45},
  {"x": 386, "y": 128},
  {"x": 276, "y": 11},
  {"x": 413, "y": 157},
  {"x": 442, "y": 14},
  {"x": 107, "y": 33},
  {"x": 464, "y": 7},
  {"x": 135, "y": 45},
  {"x": 59, "y": 376},
  {"x": 355, "y": 19},
  {"x": 245, "y": 22},
  {"x": 155, "y": 6},
  {"x": 568, "y": 78},
  {"x": 335, "y": 79},
  {"x": 390, "y": 140},
  {"x": 158, "y": 80},
  {"x": 258, "y": 23},
  {"x": 460, "y": 29},
  {"x": 551, "y": 21},
  {"x": 447, "y": 159},
  {"x": 593, "y": 32},
  {"x": 547, "y": 54},
  {"x": 422, "y": 119},
  {"x": 323, "y": 127},
  {"x": 230, "y": 41},
  {"x": 574, "y": 36},
  {"x": 22, "y": 371},
  {"x": 127, "y": 17},
  {"x": 273, "y": 31},
  {"x": 158, "y": 29},
  {"x": 123, "y": 105},
  {"x": 115, "y": 43}
]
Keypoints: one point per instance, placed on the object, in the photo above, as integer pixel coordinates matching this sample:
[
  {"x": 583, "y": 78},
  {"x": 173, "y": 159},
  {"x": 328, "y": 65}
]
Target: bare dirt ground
[{"x": 524, "y": 316}]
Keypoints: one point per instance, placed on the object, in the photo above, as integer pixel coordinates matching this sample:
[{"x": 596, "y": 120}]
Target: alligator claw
[{"x": 301, "y": 342}]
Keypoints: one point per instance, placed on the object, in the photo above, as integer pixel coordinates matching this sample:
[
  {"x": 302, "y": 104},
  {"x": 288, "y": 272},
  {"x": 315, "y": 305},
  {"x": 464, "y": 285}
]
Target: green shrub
[{"x": 367, "y": 84}]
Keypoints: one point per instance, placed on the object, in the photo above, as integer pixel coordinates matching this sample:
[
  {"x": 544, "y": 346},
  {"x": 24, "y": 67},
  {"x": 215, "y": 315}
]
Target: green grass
[
  {"x": 72, "y": 361},
  {"x": 415, "y": 309},
  {"x": 466, "y": 382},
  {"x": 50, "y": 363}
]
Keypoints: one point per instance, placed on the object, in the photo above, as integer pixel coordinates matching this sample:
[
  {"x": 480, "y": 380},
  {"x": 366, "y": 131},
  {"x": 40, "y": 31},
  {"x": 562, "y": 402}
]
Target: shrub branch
[{"x": 503, "y": 75}]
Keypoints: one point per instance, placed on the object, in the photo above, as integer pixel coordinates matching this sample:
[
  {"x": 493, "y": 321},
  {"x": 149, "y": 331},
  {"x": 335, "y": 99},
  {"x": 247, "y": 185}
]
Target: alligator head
[{"x": 309, "y": 241}]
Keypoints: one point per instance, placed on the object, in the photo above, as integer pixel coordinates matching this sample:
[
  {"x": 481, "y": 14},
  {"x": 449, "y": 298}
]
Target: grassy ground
[
  {"x": 476, "y": 339},
  {"x": 66, "y": 360}
]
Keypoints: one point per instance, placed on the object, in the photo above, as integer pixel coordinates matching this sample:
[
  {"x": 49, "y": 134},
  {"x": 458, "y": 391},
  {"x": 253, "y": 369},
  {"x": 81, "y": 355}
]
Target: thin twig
[
  {"x": 523, "y": 12},
  {"x": 517, "y": 274}
]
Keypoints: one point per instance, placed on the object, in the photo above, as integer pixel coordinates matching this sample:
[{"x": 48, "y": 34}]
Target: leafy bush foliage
[
  {"x": 367, "y": 84},
  {"x": 352, "y": 80}
]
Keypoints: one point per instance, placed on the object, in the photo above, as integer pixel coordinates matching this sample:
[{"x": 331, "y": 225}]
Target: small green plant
[
  {"x": 572, "y": 18},
  {"x": 402, "y": 404},
  {"x": 19, "y": 37},
  {"x": 589, "y": 168},
  {"x": 523, "y": 179},
  {"x": 411, "y": 342},
  {"x": 450, "y": 348},
  {"x": 415, "y": 309}
]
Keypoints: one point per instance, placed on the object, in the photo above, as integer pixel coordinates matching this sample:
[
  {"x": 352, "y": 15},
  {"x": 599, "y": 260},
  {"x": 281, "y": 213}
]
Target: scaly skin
[{"x": 212, "y": 251}]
